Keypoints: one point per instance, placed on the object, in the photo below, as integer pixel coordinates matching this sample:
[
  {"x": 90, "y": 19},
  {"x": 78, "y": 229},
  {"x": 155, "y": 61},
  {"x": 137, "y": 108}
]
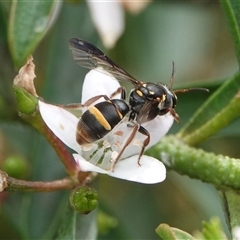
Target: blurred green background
[{"x": 194, "y": 35}]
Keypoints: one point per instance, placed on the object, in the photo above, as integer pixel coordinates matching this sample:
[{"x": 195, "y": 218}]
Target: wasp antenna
[
  {"x": 190, "y": 89},
  {"x": 172, "y": 76}
]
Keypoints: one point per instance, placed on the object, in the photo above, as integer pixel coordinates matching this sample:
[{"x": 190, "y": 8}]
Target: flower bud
[
  {"x": 84, "y": 199},
  {"x": 15, "y": 166},
  {"x": 24, "y": 88},
  {"x": 26, "y": 102}
]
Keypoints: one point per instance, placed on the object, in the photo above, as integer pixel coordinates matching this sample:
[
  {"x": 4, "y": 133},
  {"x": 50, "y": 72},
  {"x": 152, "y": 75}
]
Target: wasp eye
[{"x": 174, "y": 101}]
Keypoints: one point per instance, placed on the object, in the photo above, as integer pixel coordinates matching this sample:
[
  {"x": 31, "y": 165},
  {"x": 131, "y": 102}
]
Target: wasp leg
[
  {"x": 120, "y": 90},
  {"x": 90, "y": 101},
  {"x": 145, "y": 132},
  {"x": 172, "y": 111},
  {"x": 86, "y": 104},
  {"x": 130, "y": 138},
  {"x": 175, "y": 115}
]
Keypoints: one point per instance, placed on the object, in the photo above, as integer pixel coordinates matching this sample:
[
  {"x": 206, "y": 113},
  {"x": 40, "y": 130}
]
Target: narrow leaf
[
  {"x": 232, "y": 12},
  {"x": 77, "y": 226},
  {"x": 28, "y": 23},
  {"x": 222, "y": 107},
  {"x": 231, "y": 203},
  {"x": 67, "y": 229}
]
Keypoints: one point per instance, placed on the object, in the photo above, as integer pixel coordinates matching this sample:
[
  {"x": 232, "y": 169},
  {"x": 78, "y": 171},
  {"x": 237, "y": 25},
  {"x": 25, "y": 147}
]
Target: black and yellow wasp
[{"x": 147, "y": 100}]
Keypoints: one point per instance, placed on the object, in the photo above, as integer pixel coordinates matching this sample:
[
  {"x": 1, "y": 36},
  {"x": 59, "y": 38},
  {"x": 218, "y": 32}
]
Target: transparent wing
[
  {"x": 88, "y": 56},
  {"x": 147, "y": 112},
  {"x": 103, "y": 152}
]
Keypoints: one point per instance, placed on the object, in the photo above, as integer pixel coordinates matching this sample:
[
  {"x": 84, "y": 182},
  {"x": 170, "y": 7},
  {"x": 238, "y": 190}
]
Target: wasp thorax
[{"x": 136, "y": 100}]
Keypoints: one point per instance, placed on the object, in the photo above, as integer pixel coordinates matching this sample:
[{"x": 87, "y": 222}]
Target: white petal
[
  {"x": 86, "y": 166},
  {"x": 236, "y": 233},
  {"x": 108, "y": 17},
  {"x": 135, "y": 7},
  {"x": 62, "y": 123},
  {"x": 151, "y": 170},
  {"x": 158, "y": 128},
  {"x": 98, "y": 83}
]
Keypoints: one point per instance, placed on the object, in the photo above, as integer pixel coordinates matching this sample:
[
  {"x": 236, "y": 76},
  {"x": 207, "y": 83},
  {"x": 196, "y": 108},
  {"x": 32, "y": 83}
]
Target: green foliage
[
  {"x": 27, "y": 25},
  {"x": 106, "y": 223},
  {"x": 232, "y": 9},
  {"x": 166, "y": 232},
  {"x": 211, "y": 230},
  {"x": 230, "y": 200},
  {"x": 223, "y": 104},
  {"x": 222, "y": 171}
]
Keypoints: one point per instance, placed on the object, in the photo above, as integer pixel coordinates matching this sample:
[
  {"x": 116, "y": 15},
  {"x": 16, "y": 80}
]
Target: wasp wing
[
  {"x": 147, "y": 112},
  {"x": 105, "y": 151},
  {"x": 88, "y": 56}
]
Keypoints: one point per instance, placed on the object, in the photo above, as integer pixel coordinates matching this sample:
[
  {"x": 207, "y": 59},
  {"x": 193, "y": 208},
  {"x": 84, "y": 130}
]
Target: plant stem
[
  {"x": 13, "y": 184},
  {"x": 222, "y": 171}
]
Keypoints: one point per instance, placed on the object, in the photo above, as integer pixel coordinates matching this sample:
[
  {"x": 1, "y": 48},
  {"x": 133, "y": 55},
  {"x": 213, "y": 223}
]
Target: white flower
[
  {"x": 236, "y": 233},
  {"x": 135, "y": 7},
  {"x": 64, "y": 125},
  {"x": 109, "y": 17}
]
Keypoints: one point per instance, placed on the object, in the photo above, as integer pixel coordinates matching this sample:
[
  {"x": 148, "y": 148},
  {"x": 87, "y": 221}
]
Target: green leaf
[
  {"x": 168, "y": 233},
  {"x": 222, "y": 107},
  {"x": 28, "y": 23},
  {"x": 231, "y": 203},
  {"x": 232, "y": 12},
  {"x": 77, "y": 226},
  {"x": 67, "y": 229}
]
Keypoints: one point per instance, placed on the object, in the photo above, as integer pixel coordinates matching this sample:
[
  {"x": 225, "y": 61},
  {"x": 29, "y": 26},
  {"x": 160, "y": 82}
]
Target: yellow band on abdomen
[{"x": 101, "y": 119}]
